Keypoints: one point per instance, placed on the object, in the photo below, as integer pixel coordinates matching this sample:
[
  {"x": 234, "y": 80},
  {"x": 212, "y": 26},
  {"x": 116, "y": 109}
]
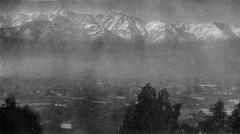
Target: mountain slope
[{"x": 77, "y": 26}]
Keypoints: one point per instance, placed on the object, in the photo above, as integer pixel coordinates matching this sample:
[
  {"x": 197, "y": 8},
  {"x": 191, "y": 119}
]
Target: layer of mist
[{"x": 213, "y": 60}]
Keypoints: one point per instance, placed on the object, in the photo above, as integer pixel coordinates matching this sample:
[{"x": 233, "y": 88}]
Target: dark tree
[
  {"x": 151, "y": 113},
  {"x": 18, "y": 120},
  {"x": 217, "y": 122},
  {"x": 235, "y": 119},
  {"x": 219, "y": 116}
]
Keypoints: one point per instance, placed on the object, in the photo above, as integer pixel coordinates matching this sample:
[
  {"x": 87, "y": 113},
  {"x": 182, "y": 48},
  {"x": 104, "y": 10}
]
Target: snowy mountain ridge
[{"x": 46, "y": 24}]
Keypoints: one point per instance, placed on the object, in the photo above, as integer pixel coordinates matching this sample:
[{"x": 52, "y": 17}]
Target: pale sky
[{"x": 169, "y": 10}]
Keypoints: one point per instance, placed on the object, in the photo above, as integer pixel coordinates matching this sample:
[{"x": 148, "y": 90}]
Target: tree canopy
[
  {"x": 18, "y": 120},
  {"x": 217, "y": 122},
  {"x": 151, "y": 113}
]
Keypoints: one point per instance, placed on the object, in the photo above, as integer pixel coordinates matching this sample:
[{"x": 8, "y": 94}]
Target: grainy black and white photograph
[{"x": 119, "y": 66}]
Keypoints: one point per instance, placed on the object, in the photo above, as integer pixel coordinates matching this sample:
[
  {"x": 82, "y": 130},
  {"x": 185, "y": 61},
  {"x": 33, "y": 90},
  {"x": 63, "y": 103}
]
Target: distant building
[
  {"x": 234, "y": 101},
  {"x": 120, "y": 97},
  {"x": 208, "y": 86},
  {"x": 228, "y": 112},
  {"x": 66, "y": 125},
  {"x": 199, "y": 98},
  {"x": 42, "y": 104},
  {"x": 59, "y": 105},
  {"x": 223, "y": 93},
  {"x": 233, "y": 88},
  {"x": 206, "y": 111}
]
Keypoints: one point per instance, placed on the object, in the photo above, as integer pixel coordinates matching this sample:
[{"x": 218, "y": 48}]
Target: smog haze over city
[{"x": 110, "y": 66}]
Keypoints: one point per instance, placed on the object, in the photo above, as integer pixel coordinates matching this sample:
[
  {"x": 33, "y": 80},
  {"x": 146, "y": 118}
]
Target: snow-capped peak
[{"x": 126, "y": 27}]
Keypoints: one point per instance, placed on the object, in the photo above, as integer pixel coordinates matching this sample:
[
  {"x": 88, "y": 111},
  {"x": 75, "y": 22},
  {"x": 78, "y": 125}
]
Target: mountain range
[{"x": 68, "y": 25}]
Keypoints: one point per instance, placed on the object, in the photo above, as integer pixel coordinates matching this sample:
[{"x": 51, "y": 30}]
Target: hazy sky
[{"x": 170, "y": 10}]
